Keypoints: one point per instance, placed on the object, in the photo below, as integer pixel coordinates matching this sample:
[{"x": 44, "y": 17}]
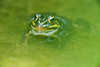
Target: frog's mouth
[{"x": 43, "y": 31}]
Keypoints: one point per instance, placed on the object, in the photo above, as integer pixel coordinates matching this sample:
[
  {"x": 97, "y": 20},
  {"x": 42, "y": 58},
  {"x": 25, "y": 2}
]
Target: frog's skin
[{"x": 46, "y": 25}]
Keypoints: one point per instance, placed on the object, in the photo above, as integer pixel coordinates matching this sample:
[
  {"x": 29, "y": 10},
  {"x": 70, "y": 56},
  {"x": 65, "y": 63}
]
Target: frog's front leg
[{"x": 26, "y": 37}]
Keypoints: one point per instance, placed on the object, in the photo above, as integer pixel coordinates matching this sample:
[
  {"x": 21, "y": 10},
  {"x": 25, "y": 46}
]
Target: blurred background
[{"x": 82, "y": 48}]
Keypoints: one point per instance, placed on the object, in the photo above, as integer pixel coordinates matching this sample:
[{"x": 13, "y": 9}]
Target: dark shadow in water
[
  {"x": 98, "y": 65},
  {"x": 82, "y": 25},
  {"x": 1, "y": 3},
  {"x": 98, "y": 2},
  {"x": 47, "y": 42}
]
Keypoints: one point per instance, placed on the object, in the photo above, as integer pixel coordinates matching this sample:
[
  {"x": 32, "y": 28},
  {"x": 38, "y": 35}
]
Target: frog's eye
[{"x": 50, "y": 17}]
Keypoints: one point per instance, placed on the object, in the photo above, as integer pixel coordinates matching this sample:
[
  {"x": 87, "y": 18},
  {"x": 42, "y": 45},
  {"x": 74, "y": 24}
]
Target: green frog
[{"x": 47, "y": 25}]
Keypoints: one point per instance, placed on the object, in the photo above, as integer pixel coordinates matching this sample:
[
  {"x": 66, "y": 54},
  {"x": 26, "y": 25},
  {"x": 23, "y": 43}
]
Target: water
[{"x": 81, "y": 48}]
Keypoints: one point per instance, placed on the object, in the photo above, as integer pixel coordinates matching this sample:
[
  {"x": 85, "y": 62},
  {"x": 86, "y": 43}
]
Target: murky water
[{"x": 80, "y": 48}]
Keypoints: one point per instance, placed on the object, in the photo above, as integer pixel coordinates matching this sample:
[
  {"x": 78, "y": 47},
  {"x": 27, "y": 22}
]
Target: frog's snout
[{"x": 40, "y": 28}]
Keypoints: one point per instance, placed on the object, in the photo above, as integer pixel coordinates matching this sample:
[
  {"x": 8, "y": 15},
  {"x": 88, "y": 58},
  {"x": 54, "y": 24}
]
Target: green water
[{"x": 81, "y": 48}]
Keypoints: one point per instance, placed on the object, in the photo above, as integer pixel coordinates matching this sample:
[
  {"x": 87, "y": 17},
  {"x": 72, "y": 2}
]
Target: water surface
[{"x": 81, "y": 48}]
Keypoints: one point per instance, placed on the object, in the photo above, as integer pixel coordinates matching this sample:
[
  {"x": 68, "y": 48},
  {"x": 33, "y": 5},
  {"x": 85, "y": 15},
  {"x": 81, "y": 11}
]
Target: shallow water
[{"x": 81, "y": 47}]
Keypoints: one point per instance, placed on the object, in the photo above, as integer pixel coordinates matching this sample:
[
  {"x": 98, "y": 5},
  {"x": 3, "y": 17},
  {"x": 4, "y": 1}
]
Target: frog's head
[{"x": 42, "y": 24}]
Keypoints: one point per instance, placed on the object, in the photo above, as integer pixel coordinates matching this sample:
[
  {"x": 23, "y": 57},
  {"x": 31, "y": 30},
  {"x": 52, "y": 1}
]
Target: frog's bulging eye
[{"x": 50, "y": 17}]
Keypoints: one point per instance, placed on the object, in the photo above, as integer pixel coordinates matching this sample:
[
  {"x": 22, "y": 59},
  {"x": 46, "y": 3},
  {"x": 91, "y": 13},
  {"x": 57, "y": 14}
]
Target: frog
[{"x": 47, "y": 25}]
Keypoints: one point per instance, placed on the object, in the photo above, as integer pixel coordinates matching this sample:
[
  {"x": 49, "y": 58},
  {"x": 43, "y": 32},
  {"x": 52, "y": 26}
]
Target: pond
[{"x": 80, "y": 48}]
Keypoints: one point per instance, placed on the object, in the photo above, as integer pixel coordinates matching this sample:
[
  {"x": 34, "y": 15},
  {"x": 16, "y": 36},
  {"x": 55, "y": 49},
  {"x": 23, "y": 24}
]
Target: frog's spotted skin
[{"x": 42, "y": 24}]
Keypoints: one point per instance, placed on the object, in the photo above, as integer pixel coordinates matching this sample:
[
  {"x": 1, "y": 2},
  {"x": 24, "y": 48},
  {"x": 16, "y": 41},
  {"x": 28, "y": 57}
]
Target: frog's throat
[{"x": 43, "y": 33}]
